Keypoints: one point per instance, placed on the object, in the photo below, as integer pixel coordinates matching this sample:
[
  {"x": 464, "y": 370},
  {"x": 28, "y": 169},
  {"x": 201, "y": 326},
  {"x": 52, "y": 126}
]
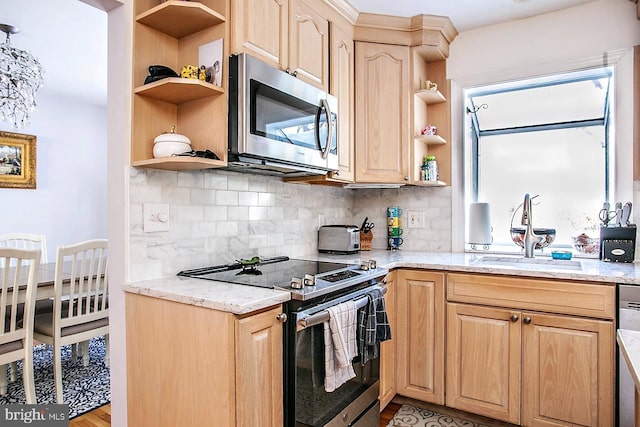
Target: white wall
[{"x": 70, "y": 200}]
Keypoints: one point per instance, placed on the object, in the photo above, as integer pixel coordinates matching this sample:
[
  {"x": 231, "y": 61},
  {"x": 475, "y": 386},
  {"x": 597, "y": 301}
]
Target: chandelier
[{"x": 20, "y": 78}]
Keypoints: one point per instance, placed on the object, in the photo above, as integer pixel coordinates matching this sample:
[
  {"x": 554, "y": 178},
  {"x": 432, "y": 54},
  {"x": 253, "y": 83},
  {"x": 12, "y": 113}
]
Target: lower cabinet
[
  {"x": 189, "y": 365},
  {"x": 528, "y": 367},
  {"x": 420, "y": 335},
  {"x": 388, "y": 348},
  {"x": 483, "y": 361}
]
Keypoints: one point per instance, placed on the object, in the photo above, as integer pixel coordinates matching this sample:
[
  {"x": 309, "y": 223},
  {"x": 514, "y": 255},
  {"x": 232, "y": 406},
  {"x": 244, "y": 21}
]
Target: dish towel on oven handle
[
  {"x": 373, "y": 326},
  {"x": 339, "y": 345}
]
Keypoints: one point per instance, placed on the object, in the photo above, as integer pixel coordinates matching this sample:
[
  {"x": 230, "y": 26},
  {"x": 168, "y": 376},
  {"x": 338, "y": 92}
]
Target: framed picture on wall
[
  {"x": 210, "y": 59},
  {"x": 17, "y": 160}
]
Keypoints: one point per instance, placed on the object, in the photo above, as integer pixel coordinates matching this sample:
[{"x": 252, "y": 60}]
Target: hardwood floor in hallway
[{"x": 100, "y": 417}]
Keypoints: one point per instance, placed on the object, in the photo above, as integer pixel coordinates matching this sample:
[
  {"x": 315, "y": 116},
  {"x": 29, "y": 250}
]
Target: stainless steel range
[{"x": 315, "y": 286}]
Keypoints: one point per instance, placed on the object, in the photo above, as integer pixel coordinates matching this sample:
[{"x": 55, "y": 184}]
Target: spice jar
[{"x": 432, "y": 168}]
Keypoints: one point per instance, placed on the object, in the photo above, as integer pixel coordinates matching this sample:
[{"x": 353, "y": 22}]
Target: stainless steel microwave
[{"x": 279, "y": 124}]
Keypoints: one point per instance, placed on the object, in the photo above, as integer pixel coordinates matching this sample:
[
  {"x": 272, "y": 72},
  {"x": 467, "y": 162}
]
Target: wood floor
[
  {"x": 102, "y": 417},
  {"x": 388, "y": 412}
]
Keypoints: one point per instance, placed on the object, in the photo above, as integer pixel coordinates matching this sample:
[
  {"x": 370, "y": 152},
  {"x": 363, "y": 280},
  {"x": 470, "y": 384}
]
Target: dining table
[{"x": 45, "y": 279}]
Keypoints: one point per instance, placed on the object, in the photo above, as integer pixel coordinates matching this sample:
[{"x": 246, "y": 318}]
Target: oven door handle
[{"x": 304, "y": 320}]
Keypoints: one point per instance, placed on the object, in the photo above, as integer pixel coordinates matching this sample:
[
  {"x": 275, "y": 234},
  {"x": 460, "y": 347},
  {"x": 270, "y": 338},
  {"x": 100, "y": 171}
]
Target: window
[{"x": 548, "y": 137}]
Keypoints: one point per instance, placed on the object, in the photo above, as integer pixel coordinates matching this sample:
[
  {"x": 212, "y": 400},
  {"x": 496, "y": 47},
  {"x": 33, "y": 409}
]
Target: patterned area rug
[
  {"x": 408, "y": 416},
  {"x": 84, "y": 389}
]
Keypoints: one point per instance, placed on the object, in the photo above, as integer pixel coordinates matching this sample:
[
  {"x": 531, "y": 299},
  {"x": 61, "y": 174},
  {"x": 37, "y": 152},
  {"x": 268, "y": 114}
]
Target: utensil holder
[{"x": 365, "y": 241}]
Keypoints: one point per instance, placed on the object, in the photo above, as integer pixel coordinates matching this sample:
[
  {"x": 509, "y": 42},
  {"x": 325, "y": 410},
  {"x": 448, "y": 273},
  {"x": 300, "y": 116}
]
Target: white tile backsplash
[{"x": 218, "y": 216}]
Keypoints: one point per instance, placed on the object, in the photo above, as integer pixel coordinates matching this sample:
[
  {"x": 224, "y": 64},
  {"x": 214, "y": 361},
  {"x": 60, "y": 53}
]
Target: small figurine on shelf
[
  {"x": 429, "y": 85},
  {"x": 189, "y": 72},
  {"x": 202, "y": 75},
  {"x": 429, "y": 130}
]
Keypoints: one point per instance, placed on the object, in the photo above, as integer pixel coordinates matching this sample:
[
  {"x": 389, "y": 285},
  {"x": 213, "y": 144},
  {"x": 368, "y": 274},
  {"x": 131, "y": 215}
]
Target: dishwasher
[{"x": 628, "y": 318}]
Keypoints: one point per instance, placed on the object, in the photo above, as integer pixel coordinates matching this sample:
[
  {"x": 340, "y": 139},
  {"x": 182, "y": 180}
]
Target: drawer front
[{"x": 554, "y": 296}]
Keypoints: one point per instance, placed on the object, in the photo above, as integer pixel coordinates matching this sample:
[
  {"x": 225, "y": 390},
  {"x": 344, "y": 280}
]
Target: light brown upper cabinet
[
  {"x": 261, "y": 28},
  {"x": 382, "y": 111},
  {"x": 395, "y": 56},
  {"x": 289, "y": 34},
  {"x": 170, "y": 34},
  {"x": 309, "y": 42},
  {"x": 342, "y": 86}
]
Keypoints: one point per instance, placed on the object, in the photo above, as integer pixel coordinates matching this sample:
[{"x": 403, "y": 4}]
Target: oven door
[{"x": 307, "y": 403}]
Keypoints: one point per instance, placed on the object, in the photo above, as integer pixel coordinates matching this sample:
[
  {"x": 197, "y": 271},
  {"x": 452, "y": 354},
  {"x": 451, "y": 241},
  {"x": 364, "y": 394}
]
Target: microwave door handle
[{"x": 327, "y": 111}]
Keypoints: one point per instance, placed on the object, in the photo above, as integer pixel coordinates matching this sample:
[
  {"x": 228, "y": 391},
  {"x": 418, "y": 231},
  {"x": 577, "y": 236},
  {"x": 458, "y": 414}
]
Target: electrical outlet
[
  {"x": 155, "y": 217},
  {"x": 415, "y": 219}
]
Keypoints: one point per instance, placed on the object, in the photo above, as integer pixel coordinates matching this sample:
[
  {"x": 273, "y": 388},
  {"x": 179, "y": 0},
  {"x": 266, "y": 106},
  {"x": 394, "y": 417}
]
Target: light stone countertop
[
  {"x": 540, "y": 266},
  {"x": 241, "y": 299},
  {"x": 236, "y": 299},
  {"x": 630, "y": 348}
]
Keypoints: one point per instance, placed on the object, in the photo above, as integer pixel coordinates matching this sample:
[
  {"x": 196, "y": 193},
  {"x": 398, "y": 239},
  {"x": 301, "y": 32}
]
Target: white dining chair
[
  {"x": 18, "y": 267},
  {"x": 81, "y": 313},
  {"x": 26, "y": 241}
]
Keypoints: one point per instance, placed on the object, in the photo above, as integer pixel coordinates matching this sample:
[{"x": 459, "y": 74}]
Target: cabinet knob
[
  {"x": 282, "y": 317},
  {"x": 287, "y": 70},
  {"x": 527, "y": 320},
  {"x": 406, "y": 178},
  {"x": 514, "y": 318},
  {"x": 294, "y": 74}
]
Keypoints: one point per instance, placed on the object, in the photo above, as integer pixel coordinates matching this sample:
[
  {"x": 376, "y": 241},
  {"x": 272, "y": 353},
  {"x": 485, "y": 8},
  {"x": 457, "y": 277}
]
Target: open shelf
[
  {"x": 179, "y": 163},
  {"x": 430, "y": 139},
  {"x": 177, "y": 90},
  {"x": 179, "y": 18},
  {"x": 430, "y": 96}
]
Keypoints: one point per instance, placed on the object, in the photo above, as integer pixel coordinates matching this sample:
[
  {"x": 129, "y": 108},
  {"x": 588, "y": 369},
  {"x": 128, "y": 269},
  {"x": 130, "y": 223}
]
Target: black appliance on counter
[{"x": 314, "y": 286}]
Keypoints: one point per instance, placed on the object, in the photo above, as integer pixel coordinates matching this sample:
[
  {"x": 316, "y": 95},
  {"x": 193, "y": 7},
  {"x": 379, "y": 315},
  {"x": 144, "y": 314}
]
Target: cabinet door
[
  {"x": 343, "y": 87},
  {"x": 388, "y": 348},
  {"x": 261, "y": 28},
  {"x": 309, "y": 44},
  {"x": 259, "y": 370},
  {"x": 420, "y": 335},
  {"x": 567, "y": 371},
  {"x": 180, "y": 363},
  {"x": 483, "y": 361},
  {"x": 382, "y": 111}
]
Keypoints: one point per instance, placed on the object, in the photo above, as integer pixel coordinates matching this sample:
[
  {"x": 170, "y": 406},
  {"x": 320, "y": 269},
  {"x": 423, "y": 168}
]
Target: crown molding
[
  {"x": 431, "y": 35},
  {"x": 344, "y": 9}
]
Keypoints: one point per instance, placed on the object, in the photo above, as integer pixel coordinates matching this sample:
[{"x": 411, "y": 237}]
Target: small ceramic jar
[{"x": 169, "y": 143}]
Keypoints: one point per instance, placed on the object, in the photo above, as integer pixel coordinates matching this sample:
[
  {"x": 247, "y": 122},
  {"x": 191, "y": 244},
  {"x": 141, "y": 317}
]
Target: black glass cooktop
[{"x": 268, "y": 272}]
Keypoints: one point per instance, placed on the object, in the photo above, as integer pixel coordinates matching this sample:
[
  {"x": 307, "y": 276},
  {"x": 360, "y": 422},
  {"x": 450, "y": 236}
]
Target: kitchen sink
[{"x": 528, "y": 263}]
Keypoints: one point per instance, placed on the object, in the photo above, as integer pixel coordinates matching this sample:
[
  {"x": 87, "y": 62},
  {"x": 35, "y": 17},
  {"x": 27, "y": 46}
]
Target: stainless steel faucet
[{"x": 530, "y": 238}]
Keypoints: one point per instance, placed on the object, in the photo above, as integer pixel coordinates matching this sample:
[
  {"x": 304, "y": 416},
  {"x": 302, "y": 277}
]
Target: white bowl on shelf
[{"x": 169, "y": 143}]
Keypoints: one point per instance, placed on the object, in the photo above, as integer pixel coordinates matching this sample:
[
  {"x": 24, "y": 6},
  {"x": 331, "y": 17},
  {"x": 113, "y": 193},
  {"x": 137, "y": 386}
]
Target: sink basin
[{"x": 528, "y": 263}]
